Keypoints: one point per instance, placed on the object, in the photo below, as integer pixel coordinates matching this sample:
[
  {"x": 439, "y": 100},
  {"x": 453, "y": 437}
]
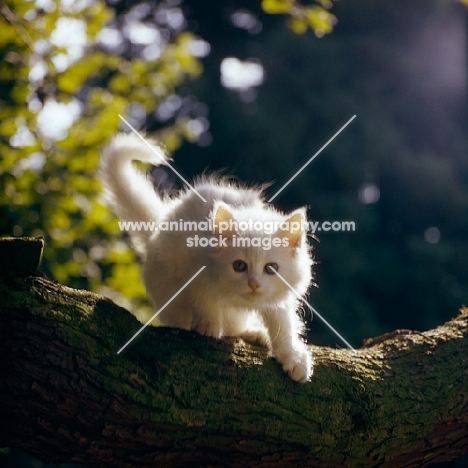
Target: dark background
[{"x": 401, "y": 68}]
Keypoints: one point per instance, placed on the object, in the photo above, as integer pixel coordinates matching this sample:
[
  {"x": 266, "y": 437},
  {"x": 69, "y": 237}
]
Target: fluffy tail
[{"x": 130, "y": 193}]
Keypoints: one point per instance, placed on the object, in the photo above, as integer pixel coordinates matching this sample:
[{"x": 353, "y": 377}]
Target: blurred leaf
[
  {"x": 277, "y": 6},
  {"x": 301, "y": 17},
  {"x": 320, "y": 20},
  {"x": 298, "y": 24}
]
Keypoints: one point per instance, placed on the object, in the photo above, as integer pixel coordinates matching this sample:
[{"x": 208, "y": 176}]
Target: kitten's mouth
[{"x": 253, "y": 295}]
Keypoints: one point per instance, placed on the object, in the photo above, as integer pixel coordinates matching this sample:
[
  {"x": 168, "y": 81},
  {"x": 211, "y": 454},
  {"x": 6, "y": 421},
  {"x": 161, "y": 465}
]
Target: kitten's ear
[
  {"x": 224, "y": 223},
  {"x": 296, "y": 228}
]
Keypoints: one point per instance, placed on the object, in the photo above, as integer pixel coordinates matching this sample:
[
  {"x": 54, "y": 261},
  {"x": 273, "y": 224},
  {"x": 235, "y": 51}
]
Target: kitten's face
[
  {"x": 244, "y": 276},
  {"x": 243, "y": 272}
]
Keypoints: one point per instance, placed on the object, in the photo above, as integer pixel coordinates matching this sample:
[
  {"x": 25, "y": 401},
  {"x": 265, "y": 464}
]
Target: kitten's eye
[
  {"x": 269, "y": 266},
  {"x": 239, "y": 265}
]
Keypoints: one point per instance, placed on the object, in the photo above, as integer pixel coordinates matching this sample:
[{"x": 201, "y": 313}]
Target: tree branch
[{"x": 174, "y": 398}]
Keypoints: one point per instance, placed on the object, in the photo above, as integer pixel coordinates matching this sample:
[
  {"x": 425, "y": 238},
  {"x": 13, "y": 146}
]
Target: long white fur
[
  {"x": 220, "y": 301},
  {"x": 130, "y": 193}
]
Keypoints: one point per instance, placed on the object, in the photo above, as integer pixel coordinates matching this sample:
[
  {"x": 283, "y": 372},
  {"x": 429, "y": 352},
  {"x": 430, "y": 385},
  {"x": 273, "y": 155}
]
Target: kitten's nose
[{"x": 253, "y": 284}]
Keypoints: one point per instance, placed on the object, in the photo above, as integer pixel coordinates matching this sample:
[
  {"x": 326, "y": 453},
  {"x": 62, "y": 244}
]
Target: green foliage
[
  {"x": 59, "y": 104},
  {"x": 302, "y": 17}
]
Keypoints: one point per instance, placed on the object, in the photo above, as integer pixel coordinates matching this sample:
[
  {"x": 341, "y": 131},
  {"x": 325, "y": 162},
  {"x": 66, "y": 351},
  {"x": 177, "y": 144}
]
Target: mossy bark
[{"x": 174, "y": 398}]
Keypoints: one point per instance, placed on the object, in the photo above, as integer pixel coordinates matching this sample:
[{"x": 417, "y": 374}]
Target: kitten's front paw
[
  {"x": 207, "y": 328},
  {"x": 299, "y": 365}
]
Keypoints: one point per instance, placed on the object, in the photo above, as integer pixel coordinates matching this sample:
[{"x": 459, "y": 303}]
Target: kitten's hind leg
[
  {"x": 176, "y": 314},
  {"x": 207, "y": 323},
  {"x": 257, "y": 338},
  {"x": 250, "y": 328}
]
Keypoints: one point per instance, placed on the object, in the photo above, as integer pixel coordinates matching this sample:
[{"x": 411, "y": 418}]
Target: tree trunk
[{"x": 173, "y": 398}]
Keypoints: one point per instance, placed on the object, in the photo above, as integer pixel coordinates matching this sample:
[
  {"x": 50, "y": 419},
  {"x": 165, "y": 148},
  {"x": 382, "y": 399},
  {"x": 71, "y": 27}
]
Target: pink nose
[{"x": 253, "y": 284}]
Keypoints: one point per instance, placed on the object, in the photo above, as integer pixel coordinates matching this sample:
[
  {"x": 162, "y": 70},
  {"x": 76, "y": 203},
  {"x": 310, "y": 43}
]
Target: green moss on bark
[{"x": 173, "y": 397}]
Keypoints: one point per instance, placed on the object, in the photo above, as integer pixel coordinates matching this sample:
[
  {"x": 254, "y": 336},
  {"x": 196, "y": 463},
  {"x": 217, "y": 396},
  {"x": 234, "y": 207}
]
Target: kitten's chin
[{"x": 253, "y": 298}]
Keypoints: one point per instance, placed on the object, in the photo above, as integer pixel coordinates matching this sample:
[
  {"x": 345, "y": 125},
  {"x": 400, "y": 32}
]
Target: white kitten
[{"x": 238, "y": 293}]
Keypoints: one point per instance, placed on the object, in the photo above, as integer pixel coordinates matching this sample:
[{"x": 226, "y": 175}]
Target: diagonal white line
[
  {"x": 161, "y": 309},
  {"x": 159, "y": 156},
  {"x": 310, "y": 307},
  {"x": 312, "y": 158}
]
